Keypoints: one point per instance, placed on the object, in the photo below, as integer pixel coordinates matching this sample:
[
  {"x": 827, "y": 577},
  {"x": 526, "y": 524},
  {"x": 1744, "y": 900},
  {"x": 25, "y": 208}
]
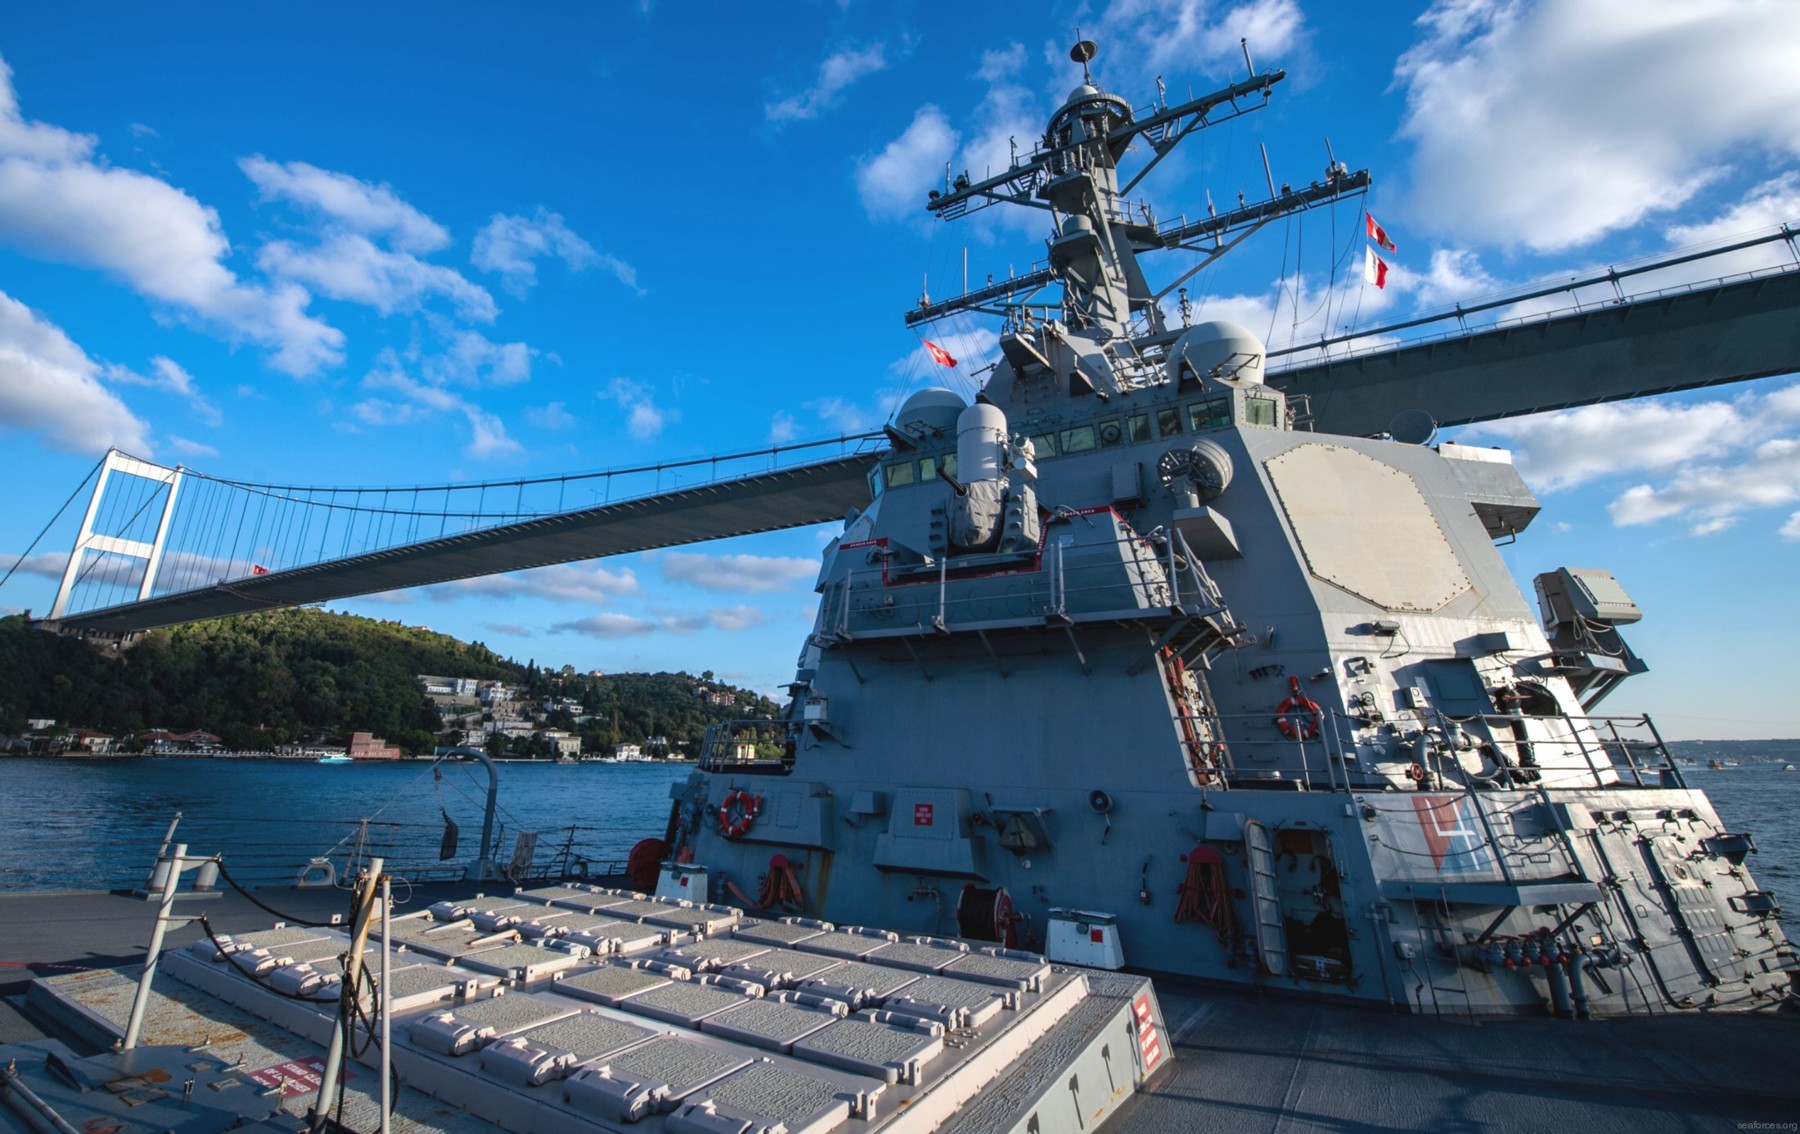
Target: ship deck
[{"x": 1243, "y": 1061}]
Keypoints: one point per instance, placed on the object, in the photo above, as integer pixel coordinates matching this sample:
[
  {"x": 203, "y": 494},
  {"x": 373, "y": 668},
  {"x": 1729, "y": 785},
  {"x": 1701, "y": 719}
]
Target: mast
[{"x": 1099, "y": 234}]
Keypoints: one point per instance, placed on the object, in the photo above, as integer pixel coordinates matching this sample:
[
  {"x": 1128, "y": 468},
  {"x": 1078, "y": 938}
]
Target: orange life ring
[
  {"x": 1298, "y": 717},
  {"x": 738, "y": 810}
]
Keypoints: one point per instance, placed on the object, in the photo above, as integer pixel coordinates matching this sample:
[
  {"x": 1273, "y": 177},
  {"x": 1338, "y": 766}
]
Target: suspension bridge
[{"x": 159, "y": 546}]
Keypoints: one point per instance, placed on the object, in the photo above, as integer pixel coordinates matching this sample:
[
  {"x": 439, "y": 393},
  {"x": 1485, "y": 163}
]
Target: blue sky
[{"x": 401, "y": 244}]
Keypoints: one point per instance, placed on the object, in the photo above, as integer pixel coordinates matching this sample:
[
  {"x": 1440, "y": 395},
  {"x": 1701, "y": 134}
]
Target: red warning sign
[
  {"x": 295, "y": 1077},
  {"x": 922, "y": 814},
  {"x": 1149, "y": 1042}
]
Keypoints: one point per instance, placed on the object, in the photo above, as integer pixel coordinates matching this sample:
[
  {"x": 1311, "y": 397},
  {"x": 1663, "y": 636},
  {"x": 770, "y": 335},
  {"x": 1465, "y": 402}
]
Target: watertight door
[{"x": 1271, "y": 942}]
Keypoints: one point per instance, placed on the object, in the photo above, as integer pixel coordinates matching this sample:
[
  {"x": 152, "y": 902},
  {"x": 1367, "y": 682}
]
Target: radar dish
[
  {"x": 1413, "y": 427},
  {"x": 1084, "y": 51}
]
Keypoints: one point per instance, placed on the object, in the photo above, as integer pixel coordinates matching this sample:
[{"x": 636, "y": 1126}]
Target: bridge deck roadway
[
  {"x": 1730, "y": 333},
  {"x": 784, "y": 498}
]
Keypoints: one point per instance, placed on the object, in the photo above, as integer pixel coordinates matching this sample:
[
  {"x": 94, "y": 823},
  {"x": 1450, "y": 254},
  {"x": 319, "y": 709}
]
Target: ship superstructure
[{"x": 1126, "y": 664}]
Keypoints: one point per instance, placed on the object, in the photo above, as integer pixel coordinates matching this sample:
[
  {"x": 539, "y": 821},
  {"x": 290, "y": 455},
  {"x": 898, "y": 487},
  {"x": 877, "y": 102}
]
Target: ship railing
[
  {"x": 1565, "y": 752},
  {"x": 1063, "y": 583},
  {"x": 752, "y": 746},
  {"x": 262, "y": 852}
]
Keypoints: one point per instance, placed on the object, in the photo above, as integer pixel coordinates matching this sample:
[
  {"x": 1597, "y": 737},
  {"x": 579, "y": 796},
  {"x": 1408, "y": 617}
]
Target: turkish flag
[
  {"x": 938, "y": 354},
  {"x": 1378, "y": 234},
  {"x": 258, "y": 569},
  {"x": 1375, "y": 269}
]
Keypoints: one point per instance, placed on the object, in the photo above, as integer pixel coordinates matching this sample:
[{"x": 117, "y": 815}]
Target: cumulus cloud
[
  {"x": 358, "y": 206},
  {"x": 1499, "y": 156},
  {"x": 59, "y": 202},
  {"x": 45, "y": 564},
  {"x": 739, "y": 574},
  {"x": 1791, "y": 529},
  {"x": 170, "y": 377},
  {"x": 471, "y": 359},
  {"x": 644, "y": 419},
  {"x": 1156, "y": 35},
  {"x": 567, "y": 582},
  {"x": 893, "y": 183},
  {"x": 1707, "y": 463},
  {"x": 351, "y": 267},
  {"x": 488, "y": 438},
  {"x": 608, "y": 625},
  {"x": 191, "y": 448},
  {"x": 554, "y": 417},
  {"x": 512, "y": 246},
  {"x": 50, "y": 387},
  {"x": 782, "y": 428},
  {"x": 836, "y": 74}
]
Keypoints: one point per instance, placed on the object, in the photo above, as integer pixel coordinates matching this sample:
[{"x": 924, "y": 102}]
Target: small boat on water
[{"x": 334, "y": 760}]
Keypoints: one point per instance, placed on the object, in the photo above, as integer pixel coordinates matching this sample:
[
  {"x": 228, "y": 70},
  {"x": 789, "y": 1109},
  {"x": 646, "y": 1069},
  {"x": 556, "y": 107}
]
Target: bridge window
[
  {"x": 1260, "y": 411},
  {"x": 1214, "y": 413},
  {"x": 1078, "y": 440},
  {"x": 1111, "y": 433},
  {"x": 1168, "y": 421},
  {"x": 1137, "y": 427},
  {"x": 931, "y": 467},
  {"x": 1043, "y": 446},
  {"x": 900, "y": 474}
]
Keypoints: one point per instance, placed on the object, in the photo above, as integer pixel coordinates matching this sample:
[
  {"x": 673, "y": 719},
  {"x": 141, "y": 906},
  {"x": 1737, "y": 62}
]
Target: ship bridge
[{"x": 160, "y": 546}]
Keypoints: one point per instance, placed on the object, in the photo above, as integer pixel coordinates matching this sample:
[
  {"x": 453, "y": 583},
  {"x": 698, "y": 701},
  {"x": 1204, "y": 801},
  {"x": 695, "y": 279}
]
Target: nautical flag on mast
[
  {"x": 258, "y": 569},
  {"x": 938, "y": 354},
  {"x": 1378, "y": 234},
  {"x": 1375, "y": 269}
]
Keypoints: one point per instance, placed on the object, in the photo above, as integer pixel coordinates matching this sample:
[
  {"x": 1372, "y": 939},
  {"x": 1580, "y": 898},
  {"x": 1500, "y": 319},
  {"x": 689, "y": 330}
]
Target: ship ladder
[{"x": 1199, "y": 731}]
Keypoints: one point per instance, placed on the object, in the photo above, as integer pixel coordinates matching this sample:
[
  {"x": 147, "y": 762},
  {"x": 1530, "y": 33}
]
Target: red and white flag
[
  {"x": 1378, "y": 234},
  {"x": 1375, "y": 269},
  {"x": 938, "y": 354},
  {"x": 258, "y": 569}
]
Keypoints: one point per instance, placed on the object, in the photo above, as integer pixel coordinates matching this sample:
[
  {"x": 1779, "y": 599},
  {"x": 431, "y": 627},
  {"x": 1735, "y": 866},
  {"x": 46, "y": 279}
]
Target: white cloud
[
  {"x": 1713, "y": 495},
  {"x": 893, "y": 183},
  {"x": 49, "y": 386},
  {"x": 169, "y": 376},
  {"x": 567, "y": 582},
  {"x": 843, "y": 415},
  {"x": 608, "y": 626},
  {"x": 1136, "y": 36},
  {"x": 488, "y": 439},
  {"x": 58, "y": 202},
  {"x": 836, "y": 73},
  {"x": 1713, "y": 460},
  {"x": 1568, "y": 448},
  {"x": 191, "y": 448},
  {"x": 513, "y": 245},
  {"x": 45, "y": 564},
  {"x": 644, "y": 418},
  {"x": 350, "y": 266},
  {"x": 553, "y": 417},
  {"x": 1791, "y": 529},
  {"x": 356, "y": 205},
  {"x": 1551, "y": 124},
  {"x": 782, "y": 429},
  {"x": 471, "y": 359},
  {"x": 738, "y": 574}
]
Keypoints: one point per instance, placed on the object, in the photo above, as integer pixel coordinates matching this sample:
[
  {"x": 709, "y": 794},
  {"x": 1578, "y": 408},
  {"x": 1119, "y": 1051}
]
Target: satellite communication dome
[
  {"x": 931, "y": 410},
  {"x": 1218, "y": 354}
]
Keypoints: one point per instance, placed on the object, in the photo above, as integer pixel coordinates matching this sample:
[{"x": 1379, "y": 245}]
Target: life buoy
[
  {"x": 737, "y": 812},
  {"x": 1298, "y": 717}
]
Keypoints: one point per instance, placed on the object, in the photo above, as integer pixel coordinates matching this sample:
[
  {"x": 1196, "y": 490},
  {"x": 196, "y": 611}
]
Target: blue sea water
[
  {"x": 73, "y": 824},
  {"x": 96, "y": 824}
]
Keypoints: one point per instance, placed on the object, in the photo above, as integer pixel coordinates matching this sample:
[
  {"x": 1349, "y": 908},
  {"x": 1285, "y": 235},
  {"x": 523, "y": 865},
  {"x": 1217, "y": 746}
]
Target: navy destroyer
[
  {"x": 1123, "y": 670},
  {"x": 1127, "y": 664}
]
